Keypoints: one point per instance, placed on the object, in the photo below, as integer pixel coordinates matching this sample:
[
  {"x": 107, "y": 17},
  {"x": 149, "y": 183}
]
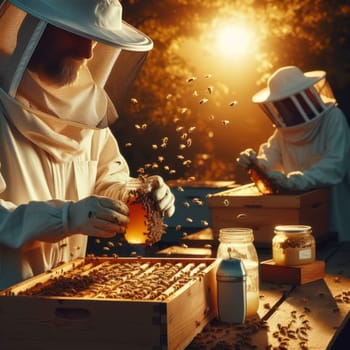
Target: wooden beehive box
[
  {"x": 245, "y": 206},
  {"x": 93, "y": 319}
]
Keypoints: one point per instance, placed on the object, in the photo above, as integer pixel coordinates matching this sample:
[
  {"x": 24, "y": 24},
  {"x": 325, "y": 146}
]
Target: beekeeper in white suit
[
  {"x": 310, "y": 147},
  {"x": 62, "y": 176}
]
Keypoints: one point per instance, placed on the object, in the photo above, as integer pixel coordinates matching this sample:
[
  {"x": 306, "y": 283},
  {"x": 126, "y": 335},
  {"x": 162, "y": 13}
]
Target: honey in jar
[
  {"x": 136, "y": 232},
  {"x": 293, "y": 245},
  {"x": 146, "y": 222}
]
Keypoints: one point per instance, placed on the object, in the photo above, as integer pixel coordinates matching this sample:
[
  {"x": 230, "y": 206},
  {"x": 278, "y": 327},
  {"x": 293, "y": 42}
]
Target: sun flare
[{"x": 234, "y": 40}]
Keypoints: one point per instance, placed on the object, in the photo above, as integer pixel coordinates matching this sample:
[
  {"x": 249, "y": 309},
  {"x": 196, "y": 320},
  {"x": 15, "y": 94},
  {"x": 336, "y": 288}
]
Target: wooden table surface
[{"x": 308, "y": 316}]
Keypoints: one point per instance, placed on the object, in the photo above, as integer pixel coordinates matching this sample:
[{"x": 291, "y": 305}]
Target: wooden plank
[
  {"x": 252, "y": 334},
  {"x": 338, "y": 273},
  {"x": 285, "y": 307},
  {"x": 311, "y": 313},
  {"x": 40, "y": 324},
  {"x": 190, "y": 312},
  {"x": 290, "y": 315}
]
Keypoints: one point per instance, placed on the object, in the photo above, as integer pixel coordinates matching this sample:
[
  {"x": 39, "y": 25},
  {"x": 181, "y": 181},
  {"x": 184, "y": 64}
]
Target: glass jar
[
  {"x": 293, "y": 245},
  {"x": 146, "y": 225},
  {"x": 237, "y": 242}
]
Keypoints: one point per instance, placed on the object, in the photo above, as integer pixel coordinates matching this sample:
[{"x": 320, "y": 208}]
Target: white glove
[
  {"x": 161, "y": 192},
  {"x": 246, "y": 158},
  {"x": 98, "y": 216}
]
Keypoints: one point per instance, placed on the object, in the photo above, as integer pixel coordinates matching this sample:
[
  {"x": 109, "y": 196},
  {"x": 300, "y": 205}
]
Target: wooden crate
[
  {"x": 245, "y": 206},
  {"x": 72, "y": 323},
  {"x": 298, "y": 274}
]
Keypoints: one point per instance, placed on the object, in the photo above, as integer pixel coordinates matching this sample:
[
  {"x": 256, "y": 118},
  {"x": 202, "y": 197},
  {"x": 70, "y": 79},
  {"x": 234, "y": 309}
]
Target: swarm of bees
[{"x": 184, "y": 137}]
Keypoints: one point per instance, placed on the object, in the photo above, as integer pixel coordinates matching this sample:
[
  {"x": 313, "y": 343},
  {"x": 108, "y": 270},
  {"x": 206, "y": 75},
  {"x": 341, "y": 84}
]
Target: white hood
[{"x": 20, "y": 34}]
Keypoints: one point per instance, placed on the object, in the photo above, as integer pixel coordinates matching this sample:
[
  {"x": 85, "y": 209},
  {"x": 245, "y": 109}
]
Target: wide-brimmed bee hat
[
  {"x": 99, "y": 20},
  {"x": 293, "y": 97},
  {"x": 287, "y": 81}
]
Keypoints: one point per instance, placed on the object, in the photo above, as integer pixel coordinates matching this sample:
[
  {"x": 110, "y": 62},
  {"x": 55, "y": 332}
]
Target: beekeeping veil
[
  {"x": 121, "y": 48},
  {"x": 293, "y": 97}
]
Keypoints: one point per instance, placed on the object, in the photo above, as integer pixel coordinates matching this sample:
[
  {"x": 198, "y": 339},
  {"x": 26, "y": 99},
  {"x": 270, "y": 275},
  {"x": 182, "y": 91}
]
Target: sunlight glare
[{"x": 234, "y": 40}]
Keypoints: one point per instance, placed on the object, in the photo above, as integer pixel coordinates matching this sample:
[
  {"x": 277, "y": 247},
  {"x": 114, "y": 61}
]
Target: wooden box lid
[{"x": 249, "y": 196}]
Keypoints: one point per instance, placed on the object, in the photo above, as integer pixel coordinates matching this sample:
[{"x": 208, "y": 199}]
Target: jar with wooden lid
[{"x": 293, "y": 245}]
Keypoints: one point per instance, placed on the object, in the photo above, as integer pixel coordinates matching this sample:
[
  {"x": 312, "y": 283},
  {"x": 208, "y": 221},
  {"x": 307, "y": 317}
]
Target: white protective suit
[
  {"x": 310, "y": 147},
  {"x": 320, "y": 149},
  {"x": 46, "y": 159}
]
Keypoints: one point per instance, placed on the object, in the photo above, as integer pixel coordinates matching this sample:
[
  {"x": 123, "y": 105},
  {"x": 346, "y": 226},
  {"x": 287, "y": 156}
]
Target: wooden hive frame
[{"x": 64, "y": 322}]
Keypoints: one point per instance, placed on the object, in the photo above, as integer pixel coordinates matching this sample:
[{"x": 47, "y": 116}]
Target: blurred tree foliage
[{"x": 172, "y": 124}]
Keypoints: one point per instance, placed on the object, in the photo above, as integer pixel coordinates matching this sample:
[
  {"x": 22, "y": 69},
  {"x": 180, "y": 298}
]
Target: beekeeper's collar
[
  {"x": 21, "y": 32},
  {"x": 82, "y": 101}
]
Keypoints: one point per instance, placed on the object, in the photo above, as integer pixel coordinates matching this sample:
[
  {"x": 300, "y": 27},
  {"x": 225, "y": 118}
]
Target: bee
[
  {"x": 179, "y": 128},
  {"x": 225, "y": 122},
  {"x": 191, "y": 79}
]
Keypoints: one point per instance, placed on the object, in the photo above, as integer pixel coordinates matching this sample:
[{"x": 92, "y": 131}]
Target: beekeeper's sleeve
[
  {"x": 269, "y": 156},
  {"x": 37, "y": 220}
]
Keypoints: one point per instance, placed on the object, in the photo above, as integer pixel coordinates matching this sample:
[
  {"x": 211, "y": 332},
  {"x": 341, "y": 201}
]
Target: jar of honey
[
  {"x": 146, "y": 221},
  {"x": 293, "y": 245}
]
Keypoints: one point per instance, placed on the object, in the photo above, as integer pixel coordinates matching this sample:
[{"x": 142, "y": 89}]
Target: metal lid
[
  {"x": 231, "y": 270},
  {"x": 293, "y": 229}
]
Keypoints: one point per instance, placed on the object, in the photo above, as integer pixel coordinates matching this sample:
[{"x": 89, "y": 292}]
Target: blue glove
[{"x": 293, "y": 181}]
